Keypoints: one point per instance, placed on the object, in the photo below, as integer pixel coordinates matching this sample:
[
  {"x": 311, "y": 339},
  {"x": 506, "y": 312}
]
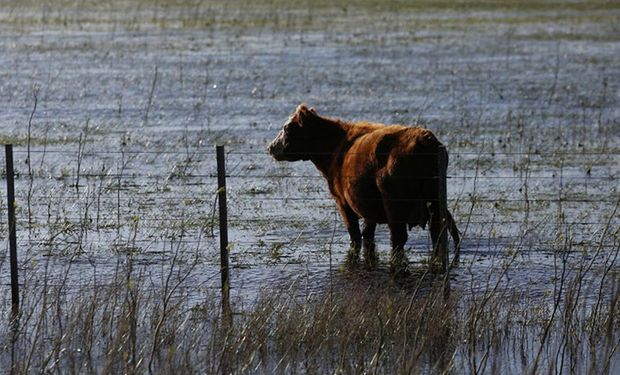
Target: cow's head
[{"x": 294, "y": 142}]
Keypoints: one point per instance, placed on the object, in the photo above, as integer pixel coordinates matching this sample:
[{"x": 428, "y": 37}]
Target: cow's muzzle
[{"x": 276, "y": 149}]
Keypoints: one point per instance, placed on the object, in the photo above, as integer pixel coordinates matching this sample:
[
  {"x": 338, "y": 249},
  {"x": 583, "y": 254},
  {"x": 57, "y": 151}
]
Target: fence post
[
  {"x": 441, "y": 251},
  {"x": 221, "y": 191},
  {"x": 226, "y": 311},
  {"x": 10, "y": 192}
]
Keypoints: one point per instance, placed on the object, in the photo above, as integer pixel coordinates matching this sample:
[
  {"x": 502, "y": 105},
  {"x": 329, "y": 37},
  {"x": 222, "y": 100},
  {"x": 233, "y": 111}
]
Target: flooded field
[{"x": 115, "y": 108}]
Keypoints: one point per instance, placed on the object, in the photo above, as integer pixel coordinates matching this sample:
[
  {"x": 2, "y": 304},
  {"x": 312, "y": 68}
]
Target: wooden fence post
[
  {"x": 441, "y": 252},
  {"x": 10, "y": 192},
  {"x": 226, "y": 310},
  {"x": 223, "y": 211}
]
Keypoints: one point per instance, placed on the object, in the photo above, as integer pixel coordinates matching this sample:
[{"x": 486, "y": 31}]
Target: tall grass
[{"x": 369, "y": 324}]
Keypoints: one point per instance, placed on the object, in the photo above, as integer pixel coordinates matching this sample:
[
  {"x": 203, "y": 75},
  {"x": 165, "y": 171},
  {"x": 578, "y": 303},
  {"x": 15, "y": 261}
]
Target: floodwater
[{"x": 121, "y": 167}]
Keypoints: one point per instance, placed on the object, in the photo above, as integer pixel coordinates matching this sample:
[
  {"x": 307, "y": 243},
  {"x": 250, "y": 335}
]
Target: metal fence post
[{"x": 10, "y": 192}]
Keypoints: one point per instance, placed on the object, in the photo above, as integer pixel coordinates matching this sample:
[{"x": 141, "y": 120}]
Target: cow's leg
[
  {"x": 398, "y": 237},
  {"x": 368, "y": 241},
  {"x": 397, "y": 212},
  {"x": 351, "y": 221}
]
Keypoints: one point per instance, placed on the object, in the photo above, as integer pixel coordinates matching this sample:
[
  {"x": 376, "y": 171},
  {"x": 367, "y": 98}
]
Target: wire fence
[
  {"x": 102, "y": 204},
  {"x": 87, "y": 210},
  {"x": 209, "y": 152}
]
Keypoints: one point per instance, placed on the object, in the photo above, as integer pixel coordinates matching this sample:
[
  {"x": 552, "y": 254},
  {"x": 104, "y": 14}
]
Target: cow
[{"x": 379, "y": 173}]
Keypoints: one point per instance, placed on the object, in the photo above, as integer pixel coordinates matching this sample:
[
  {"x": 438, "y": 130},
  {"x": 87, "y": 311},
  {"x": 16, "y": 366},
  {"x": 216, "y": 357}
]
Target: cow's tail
[
  {"x": 454, "y": 231},
  {"x": 445, "y": 155},
  {"x": 456, "y": 238}
]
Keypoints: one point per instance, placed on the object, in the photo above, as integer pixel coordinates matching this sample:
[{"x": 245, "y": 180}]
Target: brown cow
[{"x": 383, "y": 174}]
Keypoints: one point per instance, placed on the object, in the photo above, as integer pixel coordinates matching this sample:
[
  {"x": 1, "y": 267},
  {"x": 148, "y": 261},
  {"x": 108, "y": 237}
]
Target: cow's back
[{"x": 389, "y": 164}]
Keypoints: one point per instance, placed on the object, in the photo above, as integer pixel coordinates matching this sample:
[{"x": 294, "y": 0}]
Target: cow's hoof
[
  {"x": 436, "y": 266},
  {"x": 353, "y": 257},
  {"x": 370, "y": 256},
  {"x": 399, "y": 264},
  {"x": 399, "y": 270},
  {"x": 370, "y": 262},
  {"x": 455, "y": 263}
]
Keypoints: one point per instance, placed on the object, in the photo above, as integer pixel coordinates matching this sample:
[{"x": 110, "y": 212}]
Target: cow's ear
[
  {"x": 302, "y": 109},
  {"x": 304, "y": 114}
]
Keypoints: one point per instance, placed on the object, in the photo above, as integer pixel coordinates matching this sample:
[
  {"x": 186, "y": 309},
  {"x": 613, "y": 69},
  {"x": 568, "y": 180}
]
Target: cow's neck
[{"x": 332, "y": 139}]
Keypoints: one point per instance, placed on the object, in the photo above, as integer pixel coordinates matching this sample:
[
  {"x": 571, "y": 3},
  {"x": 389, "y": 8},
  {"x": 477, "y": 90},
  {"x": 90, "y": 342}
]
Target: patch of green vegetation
[
  {"x": 570, "y": 36},
  {"x": 22, "y": 140},
  {"x": 281, "y": 15},
  {"x": 276, "y": 250}
]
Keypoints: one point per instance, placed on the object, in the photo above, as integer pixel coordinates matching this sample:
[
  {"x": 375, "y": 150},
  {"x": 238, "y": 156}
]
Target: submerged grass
[
  {"x": 364, "y": 321},
  {"x": 364, "y": 327}
]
